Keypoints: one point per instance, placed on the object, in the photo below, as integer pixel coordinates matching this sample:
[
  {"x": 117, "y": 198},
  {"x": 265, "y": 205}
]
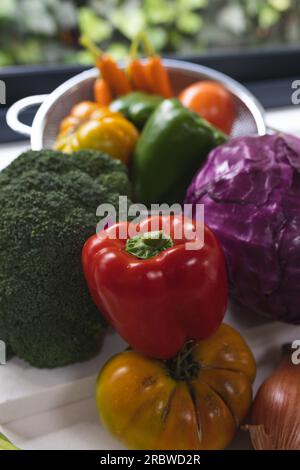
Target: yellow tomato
[
  {"x": 195, "y": 401},
  {"x": 90, "y": 126}
]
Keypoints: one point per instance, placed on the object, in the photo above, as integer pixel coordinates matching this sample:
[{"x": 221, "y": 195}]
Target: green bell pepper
[
  {"x": 171, "y": 148},
  {"x": 137, "y": 107}
]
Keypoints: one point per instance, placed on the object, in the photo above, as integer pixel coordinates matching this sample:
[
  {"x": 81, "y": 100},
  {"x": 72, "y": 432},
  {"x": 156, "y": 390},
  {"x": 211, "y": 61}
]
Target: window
[{"x": 181, "y": 27}]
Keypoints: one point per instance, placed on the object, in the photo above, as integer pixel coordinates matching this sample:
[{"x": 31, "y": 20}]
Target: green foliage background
[{"x": 45, "y": 31}]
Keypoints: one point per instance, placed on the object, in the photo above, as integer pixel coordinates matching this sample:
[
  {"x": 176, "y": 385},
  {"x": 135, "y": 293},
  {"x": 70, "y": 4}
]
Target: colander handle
[{"x": 12, "y": 115}]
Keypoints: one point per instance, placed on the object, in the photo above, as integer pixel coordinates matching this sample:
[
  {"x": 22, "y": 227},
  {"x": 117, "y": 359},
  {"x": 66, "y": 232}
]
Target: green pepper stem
[{"x": 148, "y": 244}]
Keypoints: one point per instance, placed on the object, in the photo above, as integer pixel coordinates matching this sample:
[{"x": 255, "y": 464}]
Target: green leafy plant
[{"x": 34, "y": 31}]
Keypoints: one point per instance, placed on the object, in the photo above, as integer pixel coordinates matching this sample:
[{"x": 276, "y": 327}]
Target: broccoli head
[{"x": 48, "y": 206}]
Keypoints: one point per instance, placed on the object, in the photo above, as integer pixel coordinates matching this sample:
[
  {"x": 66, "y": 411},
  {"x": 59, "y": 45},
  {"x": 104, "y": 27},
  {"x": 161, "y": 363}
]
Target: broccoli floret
[{"x": 48, "y": 206}]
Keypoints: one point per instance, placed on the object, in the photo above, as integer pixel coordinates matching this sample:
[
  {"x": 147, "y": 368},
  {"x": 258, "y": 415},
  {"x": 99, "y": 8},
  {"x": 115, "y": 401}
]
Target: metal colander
[{"x": 249, "y": 113}]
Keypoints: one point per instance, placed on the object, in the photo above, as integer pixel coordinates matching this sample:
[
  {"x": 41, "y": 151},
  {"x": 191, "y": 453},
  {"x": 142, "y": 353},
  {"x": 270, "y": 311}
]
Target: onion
[{"x": 276, "y": 411}]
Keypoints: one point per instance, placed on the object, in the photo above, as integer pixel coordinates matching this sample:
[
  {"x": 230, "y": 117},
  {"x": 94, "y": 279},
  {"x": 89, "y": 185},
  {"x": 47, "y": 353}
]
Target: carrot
[
  {"x": 110, "y": 72},
  {"x": 158, "y": 77},
  {"x": 116, "y": 77},
  {"x": 139, "y": 76},
  {"x": 102, "y": 92},
  {"x": 152, "y": 74}
]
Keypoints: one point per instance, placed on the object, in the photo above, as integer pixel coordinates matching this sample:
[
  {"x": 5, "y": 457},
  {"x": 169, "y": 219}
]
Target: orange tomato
[
  {"x": 195, "y": 401},
  {"x": 212, "y": 101}
]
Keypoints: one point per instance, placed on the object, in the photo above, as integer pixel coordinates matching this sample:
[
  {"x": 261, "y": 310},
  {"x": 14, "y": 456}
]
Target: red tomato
[{"x": 212, "y": 101}]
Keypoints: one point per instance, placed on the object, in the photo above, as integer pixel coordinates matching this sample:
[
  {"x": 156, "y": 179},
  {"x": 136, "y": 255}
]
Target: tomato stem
[{"x": 183, "y": 366}]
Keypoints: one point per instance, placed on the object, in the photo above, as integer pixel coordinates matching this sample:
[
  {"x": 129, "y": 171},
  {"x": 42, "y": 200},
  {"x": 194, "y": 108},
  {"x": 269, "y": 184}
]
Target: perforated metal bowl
[{"x": 249, "y": 113}]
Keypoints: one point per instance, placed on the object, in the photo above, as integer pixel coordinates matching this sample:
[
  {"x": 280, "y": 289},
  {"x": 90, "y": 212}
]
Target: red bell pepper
[{"x": 156, "y": 293}]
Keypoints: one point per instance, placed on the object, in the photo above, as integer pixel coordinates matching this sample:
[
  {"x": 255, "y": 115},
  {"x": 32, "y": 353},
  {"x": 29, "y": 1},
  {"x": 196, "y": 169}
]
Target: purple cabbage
[{"x": 251, "y": 191}]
